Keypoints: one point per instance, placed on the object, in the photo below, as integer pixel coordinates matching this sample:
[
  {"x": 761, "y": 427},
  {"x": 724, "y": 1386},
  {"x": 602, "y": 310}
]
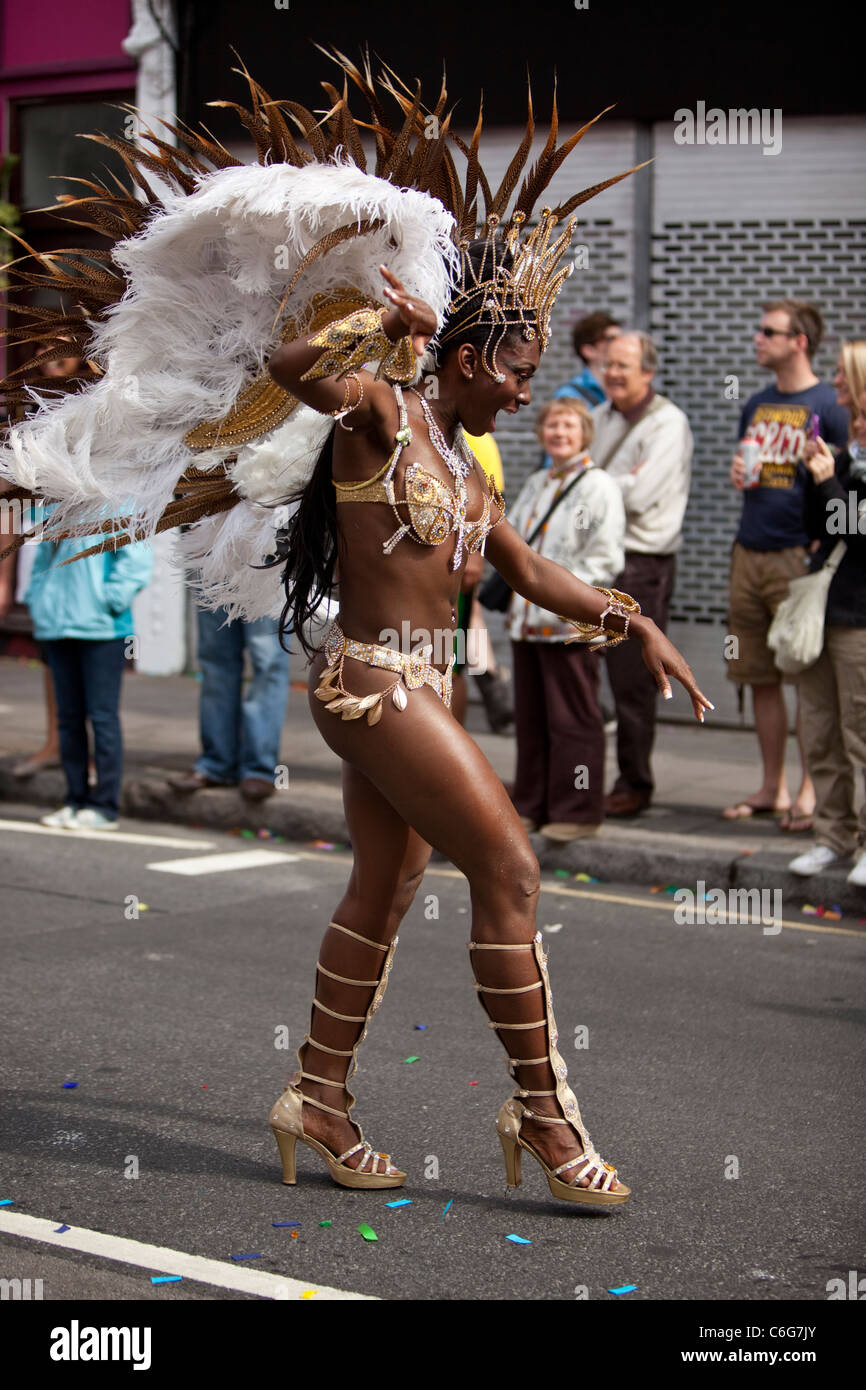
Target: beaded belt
[{"x": 413, "y": 671}]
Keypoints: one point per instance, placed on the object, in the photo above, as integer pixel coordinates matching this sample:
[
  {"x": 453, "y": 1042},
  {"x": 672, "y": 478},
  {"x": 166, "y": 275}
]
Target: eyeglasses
[{"x": 777, "y": 333}]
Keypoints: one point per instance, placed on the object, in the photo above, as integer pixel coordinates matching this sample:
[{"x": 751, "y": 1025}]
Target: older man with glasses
[{"x": 771, "y": 545}]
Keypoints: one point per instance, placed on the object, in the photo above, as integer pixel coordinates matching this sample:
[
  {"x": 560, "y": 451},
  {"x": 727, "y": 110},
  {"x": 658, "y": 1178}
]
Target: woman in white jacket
[{"x": 559, "y": 786}]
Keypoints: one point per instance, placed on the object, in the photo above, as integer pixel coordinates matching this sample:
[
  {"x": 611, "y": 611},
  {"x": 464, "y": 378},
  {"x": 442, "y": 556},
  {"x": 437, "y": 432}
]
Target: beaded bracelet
[{"x": 620, "y": 605}]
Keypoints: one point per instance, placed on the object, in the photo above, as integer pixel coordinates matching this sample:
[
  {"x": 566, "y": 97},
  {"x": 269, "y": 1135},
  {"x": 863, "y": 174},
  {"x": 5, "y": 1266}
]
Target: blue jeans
[
  {"x": 240, "y": 737},
  {"x": 87, "y": 676}
]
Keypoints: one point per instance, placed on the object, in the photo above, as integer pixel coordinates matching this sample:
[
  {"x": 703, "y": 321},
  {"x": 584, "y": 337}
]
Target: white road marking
[
  {"x": 159, "y": 1259},
  {"x": 115, "y": 837},
  {"x": 221, "y": 863}
]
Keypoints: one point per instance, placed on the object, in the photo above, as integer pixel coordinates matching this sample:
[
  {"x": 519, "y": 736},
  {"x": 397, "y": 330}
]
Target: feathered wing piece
[{"x": 211, "y": 264}]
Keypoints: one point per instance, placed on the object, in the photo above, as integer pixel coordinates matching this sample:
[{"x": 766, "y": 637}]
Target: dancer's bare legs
[{"x": 434, "y": 777}]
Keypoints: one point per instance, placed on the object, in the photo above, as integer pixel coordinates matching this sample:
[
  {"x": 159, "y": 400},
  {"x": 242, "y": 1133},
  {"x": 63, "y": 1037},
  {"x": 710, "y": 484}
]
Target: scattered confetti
[
  {"x": 473, "y": 1083},
  {"x": 264, "y": 834},
  {"x": 404, "y": 1202},
  {"x": 285, "y": 1223},
  {"x": 322, "y": 844},
  {"x": 554, "y": 926},
  {"x": 8, "y": 1202},
  {"x": 204, "y": 1088},
  {"x": 624, "y": 1288},
  {"x": 367, "y": 1231},
  {"x": 411, "y": 1059},
  {"x": 833, "y": 916},
  {"x": 254, "y": 1256},
  {"x": 587, "y": 878},
  {"x": 447, "y": 1208},
  {"x": 166, "y": 1279},
  {"x": 69, "y": 1085},
  {"x": 248, "y": 834},
  {"x": 324, "y": 1223},
  {"x": 656, "y": 888},
  {"x": 294, "y": 1234},
  {"x": 420, "y": 1027},
  {"x": 519, "y": 1240},
  {"x": 308, "y": 1293},
  {"x": 143, "y": 907},
  {"x": 560, "y": 873},
  {"x": 809, "y": 910},
  {"x": 58, "y": 1230},
  {"x": 672, "y": 888}
]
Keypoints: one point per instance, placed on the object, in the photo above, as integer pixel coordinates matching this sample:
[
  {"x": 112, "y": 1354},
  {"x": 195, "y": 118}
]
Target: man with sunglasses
[{"x": 771, "y": 544}]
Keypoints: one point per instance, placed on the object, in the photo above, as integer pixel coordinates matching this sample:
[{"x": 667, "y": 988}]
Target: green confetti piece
[
  {"x": 367, "y": 1231},
  {"x": 324, "y": 1223},
  {"x": 561, "y": 873},
  {"x": 411, "y": 1059}
]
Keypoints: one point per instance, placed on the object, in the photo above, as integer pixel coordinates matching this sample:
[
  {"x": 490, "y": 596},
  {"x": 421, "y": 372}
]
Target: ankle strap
[
  {"x": 521, "y": 989},
  {"x": 527, "y": 1061},
  {"x": 542, "y": 1023},
  {"x": 320, "y": 1105},
  {"x": 344, "y": 1018},
  {"x": 335, "y": 1052},
  {"x": 500, "y": 946},
  {"x": 366, "y": 940},
  {"x": 342, "y": 978},
  {"x": 327, "y": 1082}
]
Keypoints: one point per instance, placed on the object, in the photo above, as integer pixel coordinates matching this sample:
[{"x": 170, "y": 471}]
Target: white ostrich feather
[{"x": 196, "y": 324}]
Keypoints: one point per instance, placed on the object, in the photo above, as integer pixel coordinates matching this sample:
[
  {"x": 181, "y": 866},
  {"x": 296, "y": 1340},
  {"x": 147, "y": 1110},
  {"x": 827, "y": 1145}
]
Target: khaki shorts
[{"x": 759, "y": 581}]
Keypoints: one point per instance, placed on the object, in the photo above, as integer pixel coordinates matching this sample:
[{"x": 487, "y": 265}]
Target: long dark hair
[
  {"x": 307, "y": 548},
  {"x": 308, "y": 544}
]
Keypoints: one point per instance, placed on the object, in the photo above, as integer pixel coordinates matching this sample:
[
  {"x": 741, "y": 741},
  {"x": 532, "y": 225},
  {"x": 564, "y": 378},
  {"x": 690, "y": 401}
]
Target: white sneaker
[
  {"x": 91, "y": 819},
  {"x": 813, "y": 861},
  {"x": 857, "y": 875},
  {"x": 64, "y": 819}
]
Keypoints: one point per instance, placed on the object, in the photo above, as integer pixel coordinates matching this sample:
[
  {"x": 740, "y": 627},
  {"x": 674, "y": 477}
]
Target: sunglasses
[{"x": 777, "y": 333}]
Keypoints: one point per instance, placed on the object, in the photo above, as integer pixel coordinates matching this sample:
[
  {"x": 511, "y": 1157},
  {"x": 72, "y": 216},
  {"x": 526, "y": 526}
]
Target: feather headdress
[{"x": 211, "y": 264}]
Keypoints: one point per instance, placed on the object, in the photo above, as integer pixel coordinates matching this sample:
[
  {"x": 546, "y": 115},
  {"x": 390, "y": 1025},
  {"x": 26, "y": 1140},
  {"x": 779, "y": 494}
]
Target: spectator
[
  {"x": 492, "y": 681},
  {"x": 240, "y": 733},
  {"x": 590, "y": 337},
  {"x": 559, "y": 724},
  {"x": 771, "y": 543},
  {"x": 644, "y": 443},
  {"x": 831, "y": 692},
  {"x": 82, "y": 617}
]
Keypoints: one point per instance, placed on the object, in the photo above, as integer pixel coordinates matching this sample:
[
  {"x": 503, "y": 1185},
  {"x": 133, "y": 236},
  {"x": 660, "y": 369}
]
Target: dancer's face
[{"x": 518, "y": 361}]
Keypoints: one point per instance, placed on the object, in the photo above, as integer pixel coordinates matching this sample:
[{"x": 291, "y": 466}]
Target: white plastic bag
[{"x": 796, "y": 634}]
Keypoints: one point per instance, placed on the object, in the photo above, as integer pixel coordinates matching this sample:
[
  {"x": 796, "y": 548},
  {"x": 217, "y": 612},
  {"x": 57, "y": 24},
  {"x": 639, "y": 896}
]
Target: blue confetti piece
[
  {"x": 58, "y": 1230},
  {"x": 421, "y": 1027},
  {"x": 8, "y": 1202},
  {"x": 165, "y": 1279},
  {"x": 624, "y": 1288},
  {"x": 285, "y": 1223},
  {"x": 518, "y": 1240},
  {"x": 69, "y": 1085},
  {"x": 404, "y": 1203},
  {"x": 447, "y": 1208},
  {"x": 255, "y": 1256}
]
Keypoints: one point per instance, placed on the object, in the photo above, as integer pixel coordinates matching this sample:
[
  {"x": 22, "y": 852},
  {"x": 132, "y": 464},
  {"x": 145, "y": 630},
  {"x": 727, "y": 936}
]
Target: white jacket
[
  {"x": 584, "y": 535},
  {"x": 653, "y": 470}
]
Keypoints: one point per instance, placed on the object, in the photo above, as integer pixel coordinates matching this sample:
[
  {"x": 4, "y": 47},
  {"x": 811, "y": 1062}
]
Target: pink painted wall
[{"x": 51, "y": 33}]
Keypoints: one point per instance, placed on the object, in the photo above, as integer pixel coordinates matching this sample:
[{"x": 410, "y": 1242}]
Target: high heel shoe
[
  {"x": 588, "y": 1164},
  {"x": 286, "y": 1117}
]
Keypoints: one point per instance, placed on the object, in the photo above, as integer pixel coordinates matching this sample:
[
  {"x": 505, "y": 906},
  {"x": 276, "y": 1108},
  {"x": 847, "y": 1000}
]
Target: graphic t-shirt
[{"x": 773, "y": 512}]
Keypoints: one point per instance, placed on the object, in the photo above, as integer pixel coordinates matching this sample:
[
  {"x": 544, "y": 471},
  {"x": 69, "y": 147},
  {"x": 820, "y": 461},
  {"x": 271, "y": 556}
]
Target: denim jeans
[
  {"x": 87, "y": 676},
  {"x": 240, "y": 736}
]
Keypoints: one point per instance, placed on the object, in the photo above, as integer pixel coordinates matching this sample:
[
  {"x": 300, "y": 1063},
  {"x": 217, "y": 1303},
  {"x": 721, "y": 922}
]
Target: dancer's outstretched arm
[{"x": 555, "y": 588}]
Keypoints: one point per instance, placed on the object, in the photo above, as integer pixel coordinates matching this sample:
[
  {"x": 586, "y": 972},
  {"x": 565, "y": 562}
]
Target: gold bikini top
[{"x": 434, "y": 510}]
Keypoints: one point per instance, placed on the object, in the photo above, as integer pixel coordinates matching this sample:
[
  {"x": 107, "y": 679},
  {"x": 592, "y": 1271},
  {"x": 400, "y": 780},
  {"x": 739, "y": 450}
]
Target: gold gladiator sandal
[
  {"x": 286, "y": 1119},
  {"x": 588, "y": 1164}
]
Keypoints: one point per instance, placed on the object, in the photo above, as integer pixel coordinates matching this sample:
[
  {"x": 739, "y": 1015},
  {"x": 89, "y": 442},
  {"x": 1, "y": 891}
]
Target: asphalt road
[{"x": 712, "y": 1050}]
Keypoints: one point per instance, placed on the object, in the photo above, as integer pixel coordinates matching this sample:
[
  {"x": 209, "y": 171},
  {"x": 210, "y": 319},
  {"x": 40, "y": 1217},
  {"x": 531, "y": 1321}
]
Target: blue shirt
[
  {"x": 90, "y": 599},
  {"x": 585, "y": 386},
  {"x": 773, "y": 516}
]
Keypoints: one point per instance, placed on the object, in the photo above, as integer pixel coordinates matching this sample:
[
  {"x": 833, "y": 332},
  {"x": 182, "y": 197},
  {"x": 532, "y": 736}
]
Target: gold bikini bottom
[{"x": 412, "y": 671}]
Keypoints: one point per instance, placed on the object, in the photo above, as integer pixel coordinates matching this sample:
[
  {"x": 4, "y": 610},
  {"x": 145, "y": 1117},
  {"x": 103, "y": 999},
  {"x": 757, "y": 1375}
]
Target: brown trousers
[
  {"x": 649, "y": 579},
  {"x": 560, "y": 733},
  {"x": 833, "y": 711}
]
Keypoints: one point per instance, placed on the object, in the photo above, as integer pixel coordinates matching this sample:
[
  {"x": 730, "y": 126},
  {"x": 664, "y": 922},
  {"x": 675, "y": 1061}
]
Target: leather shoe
[
  {"x": 193, "y": 782},
  {"x": 626, "y": 803},
  {"x": 256, "y": 789}
]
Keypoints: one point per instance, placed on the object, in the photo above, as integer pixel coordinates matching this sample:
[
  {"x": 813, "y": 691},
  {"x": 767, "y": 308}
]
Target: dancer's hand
[
  {"x": 663, "y": 659},
  {"x": 414, "y": 313}
]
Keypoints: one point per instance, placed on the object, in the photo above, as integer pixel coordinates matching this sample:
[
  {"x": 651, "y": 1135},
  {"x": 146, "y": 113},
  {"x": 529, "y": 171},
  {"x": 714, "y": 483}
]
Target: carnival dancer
[{"x": 476, "y": 314}]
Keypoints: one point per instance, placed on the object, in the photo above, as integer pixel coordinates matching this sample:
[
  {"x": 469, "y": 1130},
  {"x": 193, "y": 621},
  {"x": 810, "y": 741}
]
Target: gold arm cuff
[
  {"x": 351, "y": 342},
  {"x": 620, "y": 604}
]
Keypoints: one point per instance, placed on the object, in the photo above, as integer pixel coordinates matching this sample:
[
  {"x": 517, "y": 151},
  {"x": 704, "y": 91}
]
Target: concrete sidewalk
[{"x": 680, "y": 840}]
